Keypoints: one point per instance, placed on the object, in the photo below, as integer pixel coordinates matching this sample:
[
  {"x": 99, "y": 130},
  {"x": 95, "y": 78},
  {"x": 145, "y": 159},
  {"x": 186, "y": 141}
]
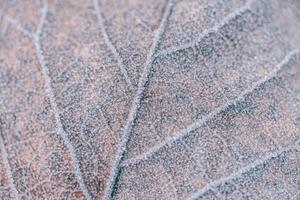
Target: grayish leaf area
[{"x": 146, "y": 99}]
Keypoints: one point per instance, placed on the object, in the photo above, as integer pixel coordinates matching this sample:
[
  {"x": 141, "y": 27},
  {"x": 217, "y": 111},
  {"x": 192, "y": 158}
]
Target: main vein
[
  {"x": 136, "y": 101},
  {"x": 212, "y": 114}
]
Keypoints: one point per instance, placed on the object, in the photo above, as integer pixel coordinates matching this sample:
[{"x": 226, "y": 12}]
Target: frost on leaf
[
  {"x": 186, "y": 85},
  {"x": 130, "y": 26},
  {"x": 91, "y": 93},
  {"x": 28, "y": 12},
  {"x": 277, "y": 178},
  {"x": 27, "y": 127},
  {"x": 89, "y": 82},
  {"x": 232, "y": 140},
  {"x": 149, "y": 99},
  {"x": 190, "y": 18}
]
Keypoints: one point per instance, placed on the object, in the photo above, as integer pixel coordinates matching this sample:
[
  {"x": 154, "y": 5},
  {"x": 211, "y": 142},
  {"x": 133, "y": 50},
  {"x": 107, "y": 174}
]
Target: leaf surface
[{"x": 170, "y": 99}]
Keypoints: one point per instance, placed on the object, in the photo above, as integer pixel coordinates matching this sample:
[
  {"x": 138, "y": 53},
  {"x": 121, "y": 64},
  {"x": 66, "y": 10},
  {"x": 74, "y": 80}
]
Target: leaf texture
[{"x": 172, "y": 99}]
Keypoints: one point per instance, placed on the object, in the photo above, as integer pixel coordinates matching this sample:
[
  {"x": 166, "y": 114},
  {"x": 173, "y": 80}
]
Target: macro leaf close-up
[{"x": 150, "y": 99}]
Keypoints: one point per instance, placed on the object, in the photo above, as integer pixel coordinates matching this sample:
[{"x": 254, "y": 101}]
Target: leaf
[{"x": 149, "y": 99}]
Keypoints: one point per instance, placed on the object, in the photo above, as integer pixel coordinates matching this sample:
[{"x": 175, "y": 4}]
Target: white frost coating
[
  {"x": 239, "y": 172},
  {"x": 206, "y": 32},
  {"x": 136, "y": 101},
  {"x": 6, "y": 165},
  {"x": 110, "y": 45},
  {"x": 50, "y": 94},
  {"x": 60, "y": 130},
  {"x": 208, "y": 117}
]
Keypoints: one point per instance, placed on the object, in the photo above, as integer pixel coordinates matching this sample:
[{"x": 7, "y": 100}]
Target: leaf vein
[
  {"x": 50, "y": 94},
  {"x": 198, "y": 123},
  {"x": 243, "y": 170},
  {"x": 208, "y": 31},
  {"x": 110, "y": 45},
  {"x": 136, "y": 101},
  {"x": 7, "y": 167}
]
